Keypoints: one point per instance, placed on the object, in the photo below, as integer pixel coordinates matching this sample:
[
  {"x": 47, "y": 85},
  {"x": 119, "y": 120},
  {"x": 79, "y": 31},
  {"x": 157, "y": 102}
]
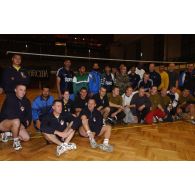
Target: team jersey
[
  {"x": 80, "y": 103},
  {"x": 101, "y": 102},
  {"x": 80, "y": 81},
  {"x": 107, "y": 81},
  {"x": 15, "y": 108},
  {"x": 95, "y": 119},
  {"x": 66, "y": 80},
  {"x": 146, "y": 85}
]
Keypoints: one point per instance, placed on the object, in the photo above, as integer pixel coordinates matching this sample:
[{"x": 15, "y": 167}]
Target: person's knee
[
  {"x": 84, "y": 119},
  {"x": 82, "y": 133},
  {"x": 15, "y": 122},
  {"x": 107, "y": 109},
  {"x": 26, "y": 138}
]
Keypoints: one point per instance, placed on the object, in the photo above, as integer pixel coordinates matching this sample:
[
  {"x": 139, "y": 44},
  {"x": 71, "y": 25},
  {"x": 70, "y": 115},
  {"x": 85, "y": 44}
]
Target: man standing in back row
[
  {"x": 14, "y": 74},
  {"x": 64, "y": 79}
]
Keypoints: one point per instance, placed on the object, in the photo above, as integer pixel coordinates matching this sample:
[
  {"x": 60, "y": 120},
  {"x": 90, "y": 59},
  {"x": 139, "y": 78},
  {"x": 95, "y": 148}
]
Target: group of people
[{"x": 90, "y": 103}]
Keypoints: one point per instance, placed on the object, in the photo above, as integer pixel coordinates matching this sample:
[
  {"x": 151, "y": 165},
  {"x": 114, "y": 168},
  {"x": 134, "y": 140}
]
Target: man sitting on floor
[
  {"x": 116, "y": 108},
  {"x": 92, "y": 125},
  {"x": 142, "y": 105},
  {"x": 157, "y": 112},
  {"x": 187, "y": 105},
  {"x": 59, "y": 129},
  {"x": 127, "y": 97},
  {"x": 102, "y": 103},
  {"x": 16, "y": 116}
]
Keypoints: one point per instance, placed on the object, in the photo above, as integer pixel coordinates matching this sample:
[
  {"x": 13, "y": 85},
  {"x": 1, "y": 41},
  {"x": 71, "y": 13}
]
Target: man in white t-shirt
[
  {"x": 126, "y": 97},
  {"x": 139, "y": 70}
]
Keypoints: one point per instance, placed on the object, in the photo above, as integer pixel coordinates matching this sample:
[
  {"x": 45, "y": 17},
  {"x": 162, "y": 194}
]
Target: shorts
[
  {"x": 95, "y": 128},
  {"x": 48, "y": 131},
  {"x": 76, "y": 123}
]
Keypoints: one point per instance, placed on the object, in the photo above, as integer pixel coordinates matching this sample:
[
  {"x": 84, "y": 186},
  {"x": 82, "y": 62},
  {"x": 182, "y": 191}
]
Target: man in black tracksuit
[
  {"x": 142, "y": 105},
  {"x": 154, "y": 76},
  {"x": 107, "y": 79},
  {"x": 14, "y": 74},
  {"x": 16, "y": 115}
]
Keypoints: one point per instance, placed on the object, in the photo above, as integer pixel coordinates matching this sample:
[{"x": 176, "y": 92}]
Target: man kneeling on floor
[
  {"x": 16, "y": 116},
  {"x": 92, "y": 125},
  {"x": 59, "y": 129}
]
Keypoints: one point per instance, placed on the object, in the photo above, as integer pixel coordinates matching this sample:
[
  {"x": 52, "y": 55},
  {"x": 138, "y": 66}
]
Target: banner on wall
[{"x": 39, "y": 72}]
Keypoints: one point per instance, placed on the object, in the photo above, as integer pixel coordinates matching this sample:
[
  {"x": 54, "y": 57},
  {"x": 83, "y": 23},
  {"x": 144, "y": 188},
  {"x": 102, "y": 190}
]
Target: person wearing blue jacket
[
  {"x": 94, "y": 80},
  {"x": 41, "y": 106}
]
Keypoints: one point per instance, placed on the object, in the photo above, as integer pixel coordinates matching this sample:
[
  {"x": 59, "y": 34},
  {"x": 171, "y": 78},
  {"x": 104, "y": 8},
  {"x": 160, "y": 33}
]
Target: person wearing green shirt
[{"x": 80, "y": 80}]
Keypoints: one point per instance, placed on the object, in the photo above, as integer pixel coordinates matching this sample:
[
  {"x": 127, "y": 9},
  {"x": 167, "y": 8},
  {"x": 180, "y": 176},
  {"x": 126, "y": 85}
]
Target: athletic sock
[
  {"x": 89, "y": 134},
  {"x": 16, "y": 139},
  {"x": 106, "y": 141},
  {"x": 65, "y": 144}
]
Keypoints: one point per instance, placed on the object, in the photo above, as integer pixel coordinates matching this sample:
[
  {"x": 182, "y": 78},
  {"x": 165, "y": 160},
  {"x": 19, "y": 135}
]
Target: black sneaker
[{"x": 112, "y": 120}]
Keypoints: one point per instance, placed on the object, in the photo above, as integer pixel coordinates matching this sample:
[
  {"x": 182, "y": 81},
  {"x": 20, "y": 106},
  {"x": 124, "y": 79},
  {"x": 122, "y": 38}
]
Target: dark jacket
[
  {"x": 15, "y": 108},
  {"x": 11, "y": 77}
]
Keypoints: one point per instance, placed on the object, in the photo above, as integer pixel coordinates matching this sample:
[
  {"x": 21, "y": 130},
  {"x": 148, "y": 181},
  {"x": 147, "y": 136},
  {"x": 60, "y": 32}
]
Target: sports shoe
[
  {"x": 17, "y": 145},
  {"x": 4, "y": 137},
  {"x": 193, "y": 121},
  {"x": 154, "y": 120},
  {"x": 72, "y": 146},
  {"x": 93, "y": 143},
  {"x": 61, "y": 149},
  {"x": 106, "y": 148},
  {"x": 112, "y": 120},
  {"x": 104, "y": 122}
]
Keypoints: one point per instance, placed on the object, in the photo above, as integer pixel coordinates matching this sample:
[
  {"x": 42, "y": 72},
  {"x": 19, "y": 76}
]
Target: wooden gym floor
[{"x": 164, "y": 141}]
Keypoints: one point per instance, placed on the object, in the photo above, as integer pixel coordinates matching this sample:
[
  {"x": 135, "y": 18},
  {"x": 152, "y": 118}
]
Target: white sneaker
[
  {"x": 61, "y": 149},
  {"x": 5, "y": 136},
  {"x": 142, "y": 121},
  {"x": 154, "y": 120},
  {"x": 160, "y": 119},
  {"x": 17, "y": 145},
  {"x": 106, "y": 148},
  {"x": 93, "y": 143},
  {"x": 72, "y": 146},
  {"x": 193, "y": 121}
]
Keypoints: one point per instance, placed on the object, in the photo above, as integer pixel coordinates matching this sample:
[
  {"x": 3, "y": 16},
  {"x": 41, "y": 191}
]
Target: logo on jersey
[
  {"x": 23, "y": 75},
  {"x": 67, "y": 79},
  {"x": 94, "y": 119},
  {"x": 108, "y": 82},
  {"x": 22, "y": 108},
  {"x": 62, "y": 122},
  {"x": 12, "y": 78}
]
